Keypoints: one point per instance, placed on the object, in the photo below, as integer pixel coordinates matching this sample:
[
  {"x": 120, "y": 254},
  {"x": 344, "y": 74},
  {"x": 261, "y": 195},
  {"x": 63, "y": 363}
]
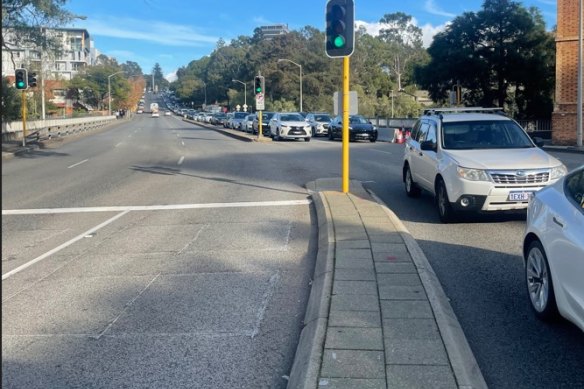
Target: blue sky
[{"x": 175, "y": 32}]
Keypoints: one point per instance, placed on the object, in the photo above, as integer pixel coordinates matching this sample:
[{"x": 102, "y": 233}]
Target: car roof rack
[{"x": 436, "y": 111}]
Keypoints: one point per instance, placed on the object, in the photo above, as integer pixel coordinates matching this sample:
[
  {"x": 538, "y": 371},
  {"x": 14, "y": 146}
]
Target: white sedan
[
  {"x": 553, "y": 249},
  {"x": 289, "y": 125}
]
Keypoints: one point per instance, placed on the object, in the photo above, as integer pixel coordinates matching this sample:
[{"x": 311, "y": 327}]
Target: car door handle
[{"x": 558, "y": 221}]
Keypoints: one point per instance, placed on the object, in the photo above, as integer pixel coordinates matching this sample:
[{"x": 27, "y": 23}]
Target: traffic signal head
[
  {"x": 258, "y": 84},
  {"x": 20, "y": 79},
  {"x": 340, "y": 28},
  {"x": 32, "y": 80}
]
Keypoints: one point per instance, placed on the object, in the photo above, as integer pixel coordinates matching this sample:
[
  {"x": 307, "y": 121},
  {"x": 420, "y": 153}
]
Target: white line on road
[
  {"x": 48, "y": 211},
  {"x": 182, "y": 143},
  {"x": 77, "y": 164},
  {"x": 61, "y": 247},
  {"x": 119, "y": 144},
  {"x": 181, "y": 160},
  {"x": 379, "y": 151}
]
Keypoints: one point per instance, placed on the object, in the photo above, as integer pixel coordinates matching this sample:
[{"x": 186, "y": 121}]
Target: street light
[
  {"x": 109, "y": 91},
  {"x": 300, "y": 66},
  {"x": 205, "y": 85},
  {"x": 244, "y": 93}
]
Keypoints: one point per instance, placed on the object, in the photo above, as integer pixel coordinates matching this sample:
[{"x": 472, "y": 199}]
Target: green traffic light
[
  {"x": 20, "y": 84},
  {"x": 339, "y": 41},
  {"x": 258, "y": 90}
]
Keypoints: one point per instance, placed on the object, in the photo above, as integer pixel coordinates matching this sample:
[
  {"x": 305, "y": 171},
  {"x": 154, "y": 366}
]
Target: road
[{"x": 217, "y": 294}]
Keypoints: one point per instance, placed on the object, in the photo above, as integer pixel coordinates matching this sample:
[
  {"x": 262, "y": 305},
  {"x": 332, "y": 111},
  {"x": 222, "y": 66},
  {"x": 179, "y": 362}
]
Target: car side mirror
[
  {"x": 428, "y": 145},
  {"x": 538, "y": 141}
]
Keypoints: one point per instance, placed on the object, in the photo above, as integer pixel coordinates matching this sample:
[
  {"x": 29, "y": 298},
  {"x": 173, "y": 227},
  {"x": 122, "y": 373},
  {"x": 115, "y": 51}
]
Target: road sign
[
  {"x": 338, "y": 103},
  {"x": 245, "y": 107},
  {"x": 260, "y": 104}
]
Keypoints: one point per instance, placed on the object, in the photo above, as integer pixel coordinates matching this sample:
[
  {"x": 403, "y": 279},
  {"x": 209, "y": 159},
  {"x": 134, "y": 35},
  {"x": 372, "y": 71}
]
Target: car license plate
[{"x": 519, "y": 196}]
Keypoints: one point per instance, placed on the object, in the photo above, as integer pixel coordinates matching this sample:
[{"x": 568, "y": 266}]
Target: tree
[
  {"x": 11, "y": 102},
  {"x": 501, "y": 56},
  {"x": 23, "y": 23},
  {"x": 132, "y": 68}
]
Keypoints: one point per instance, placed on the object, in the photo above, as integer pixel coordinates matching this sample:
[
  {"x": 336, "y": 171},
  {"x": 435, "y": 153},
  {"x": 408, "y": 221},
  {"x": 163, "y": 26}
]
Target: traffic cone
[{"x": 400, "y": 137}]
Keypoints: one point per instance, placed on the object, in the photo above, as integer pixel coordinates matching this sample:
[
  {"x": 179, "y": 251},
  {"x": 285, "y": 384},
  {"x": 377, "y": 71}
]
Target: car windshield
[
  {"x": 357, "y": 120},
  {"x": 240, "y": 115},
  {"x": 292, "y": 117},
  {"x": 322, "y": 118},
  {"x": 267, "y": 116},
  {"x": 485, "y": 134}
]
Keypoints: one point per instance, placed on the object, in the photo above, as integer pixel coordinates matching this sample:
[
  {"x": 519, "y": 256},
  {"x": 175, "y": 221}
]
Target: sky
[{"x": 173, "y": 33}]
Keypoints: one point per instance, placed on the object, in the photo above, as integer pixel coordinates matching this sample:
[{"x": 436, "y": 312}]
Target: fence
[{"x": 39, "y": 130}]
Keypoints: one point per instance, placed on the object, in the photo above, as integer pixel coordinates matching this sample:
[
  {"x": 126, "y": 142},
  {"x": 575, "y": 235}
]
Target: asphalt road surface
[{"x": 215, "y": 296}]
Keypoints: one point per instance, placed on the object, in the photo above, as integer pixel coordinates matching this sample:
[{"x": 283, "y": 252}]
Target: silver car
[
  {"x": 289, "y": 125},
  {"x": 319, "y": 123}
]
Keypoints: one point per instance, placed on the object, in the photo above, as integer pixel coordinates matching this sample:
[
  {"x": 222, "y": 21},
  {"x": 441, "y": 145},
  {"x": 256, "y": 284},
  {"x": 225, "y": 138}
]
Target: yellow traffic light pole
[
  {"x": 23, "y": 107},
  {"x": 345, "y": 124}
]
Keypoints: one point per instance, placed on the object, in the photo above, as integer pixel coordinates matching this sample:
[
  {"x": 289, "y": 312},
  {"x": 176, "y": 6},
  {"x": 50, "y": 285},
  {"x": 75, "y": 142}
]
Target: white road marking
[
  {"x": 61, "y": 247},
  {"x": 49, "y": 211},
  {"x": 181, "y": 160},
  {"x": 77, "y": 164},
  {"x": 119, "y": 144},
  {"x": 182, "y": 143},
  {"x": 379, "y": 151}
]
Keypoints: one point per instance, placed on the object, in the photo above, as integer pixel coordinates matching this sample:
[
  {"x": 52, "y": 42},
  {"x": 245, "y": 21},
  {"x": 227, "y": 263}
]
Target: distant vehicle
[
  {"x": 289, "y": 125},
  {"x": 359, "y": 129},
  {"x": 553, "y": 249},
  {"x": 247, "y": 124},
  {"x": 154, "y": 110},
  {"x": 167, "y": 113},
  {"x": 319, "y": 123},
  {"x": 236, "y": 122}
]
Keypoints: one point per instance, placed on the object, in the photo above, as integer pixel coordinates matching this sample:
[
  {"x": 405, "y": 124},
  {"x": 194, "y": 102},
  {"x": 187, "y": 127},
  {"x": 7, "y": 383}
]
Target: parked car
[
  {"x": 553, "y": 250},
  {"x": 247, "y": 124},
  {"x": 475, "y": 160},
  {"x": 237, "y": 120},
  {"x": 289, "y": 125},
  {"x": 266, "y": 116},
  {"x": 359, "y": 129},
  {"x": 319, "y": 123},
  {"x": 228, "y": 119},
  {"x": 167, "y": 112}
]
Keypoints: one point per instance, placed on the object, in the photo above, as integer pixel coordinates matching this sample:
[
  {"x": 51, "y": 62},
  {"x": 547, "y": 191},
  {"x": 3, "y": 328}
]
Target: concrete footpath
[{"x": 377, "y": 315}]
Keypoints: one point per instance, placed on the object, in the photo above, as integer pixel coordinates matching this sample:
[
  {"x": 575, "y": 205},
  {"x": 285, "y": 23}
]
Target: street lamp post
[
  {"x": 109, "y": 91},
  {"x": 205, "y": 86},
  {"x": 244, "y": 92},
  {"x": 300, "y": 66}
]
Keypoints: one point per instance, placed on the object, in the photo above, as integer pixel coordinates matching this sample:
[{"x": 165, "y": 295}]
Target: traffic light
[
  {"x": 32, "y": 80},
  {"x": 340, "y": 28},
  {"x": 20, "y": 79},
  {"x": 258, "y": 84}
]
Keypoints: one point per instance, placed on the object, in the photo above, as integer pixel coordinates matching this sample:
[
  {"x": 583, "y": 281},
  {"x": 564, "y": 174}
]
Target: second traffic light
[
  {"x": 21, "y": 79},
  {"x": 32, "y": 80},
  {"x": 258, "y": 84},
  {"x": 340, "y": 28}
]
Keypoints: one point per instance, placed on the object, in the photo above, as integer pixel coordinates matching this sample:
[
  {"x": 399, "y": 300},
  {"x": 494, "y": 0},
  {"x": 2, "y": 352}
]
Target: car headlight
[
  {"x": 284, "y": 127},
  {"x": 472, "y": 174},
  {"x": 558, "y": 172}
]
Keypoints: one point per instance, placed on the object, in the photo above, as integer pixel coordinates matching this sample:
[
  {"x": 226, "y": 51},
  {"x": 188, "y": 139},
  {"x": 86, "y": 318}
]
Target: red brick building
[{"x": 564, "y": 117}]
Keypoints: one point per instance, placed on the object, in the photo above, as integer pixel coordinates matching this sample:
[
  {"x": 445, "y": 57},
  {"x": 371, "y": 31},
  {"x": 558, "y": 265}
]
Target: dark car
[
  {"x": 266, "y": 116},
  {"x": 359, "y": 129}
]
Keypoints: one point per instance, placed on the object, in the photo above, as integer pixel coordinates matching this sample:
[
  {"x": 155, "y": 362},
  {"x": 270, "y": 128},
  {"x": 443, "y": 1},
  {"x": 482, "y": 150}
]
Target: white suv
[{"x": 475, "y": 159}]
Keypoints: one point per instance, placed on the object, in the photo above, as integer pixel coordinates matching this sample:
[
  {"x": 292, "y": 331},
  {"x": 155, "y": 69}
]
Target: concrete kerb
[
  {"x": 466, "y": 369},
  {"x": 309, "y": 353},
  {"x": 230, "y": 133}
]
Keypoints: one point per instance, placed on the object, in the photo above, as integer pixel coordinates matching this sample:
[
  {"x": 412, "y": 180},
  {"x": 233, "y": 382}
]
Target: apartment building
[
  {"x": 268, "y": 32},
  {"x": 77, "y": 52}
]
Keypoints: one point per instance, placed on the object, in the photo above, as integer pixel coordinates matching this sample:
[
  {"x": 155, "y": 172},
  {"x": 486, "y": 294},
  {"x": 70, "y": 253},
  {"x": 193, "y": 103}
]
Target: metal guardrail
[{"x": 40, "y": 130}]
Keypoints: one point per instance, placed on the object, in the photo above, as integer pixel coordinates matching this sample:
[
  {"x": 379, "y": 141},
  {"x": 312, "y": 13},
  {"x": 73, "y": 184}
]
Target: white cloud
[
  {"x": 428, "y": 30},
  {"x": 170, "y": 77},
  {"x": 150, "y": 31},
  {"x": 432, "y": 8}
]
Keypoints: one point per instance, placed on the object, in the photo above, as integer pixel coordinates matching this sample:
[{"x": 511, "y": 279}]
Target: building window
[
  {"x": 61, "y": 66},
  {"x": 75, "y": 43},
  {"x": 76, "y": 66}
]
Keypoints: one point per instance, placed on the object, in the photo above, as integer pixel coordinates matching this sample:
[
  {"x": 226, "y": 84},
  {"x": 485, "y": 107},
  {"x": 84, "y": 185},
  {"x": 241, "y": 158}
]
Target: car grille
[
  {"x": 297, "y": 131},
  {"x": 520, "y": 177}
]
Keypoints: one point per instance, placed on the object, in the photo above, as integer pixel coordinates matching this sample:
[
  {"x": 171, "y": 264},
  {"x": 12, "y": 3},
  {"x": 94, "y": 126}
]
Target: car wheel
[
  {"x": 412, "y": 189},
  {"x": 313, "y": 131},
  {"x": 540, "y": 288},
  {"x": 445, "y": 210},
  {"x": 373, "y": 139},
  {"x": 277, "y": 136},
  {"x": 330, "y": 135},
  {"x": 307, "y": 139}
]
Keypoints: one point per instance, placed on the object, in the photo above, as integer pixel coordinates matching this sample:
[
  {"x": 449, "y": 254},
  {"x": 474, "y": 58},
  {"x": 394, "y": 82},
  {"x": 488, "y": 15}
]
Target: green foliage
[
  {"x": 501, "y": 55},
  {"x": 11, "y": 102}
]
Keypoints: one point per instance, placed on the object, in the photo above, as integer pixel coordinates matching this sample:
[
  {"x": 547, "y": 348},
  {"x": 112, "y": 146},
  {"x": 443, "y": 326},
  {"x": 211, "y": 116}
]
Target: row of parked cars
[{"x": 299, "y": 125}]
